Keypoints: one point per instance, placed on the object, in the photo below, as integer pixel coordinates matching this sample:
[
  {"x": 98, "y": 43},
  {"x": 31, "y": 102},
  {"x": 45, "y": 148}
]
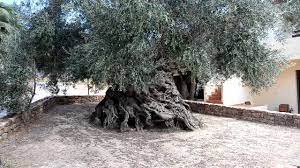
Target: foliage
[
  {"x": 49, "y": 36},
  {"x": 15, "y": 71},
  {"x": 126, "y": 42},
  {"x": 129, "y": 40},
  {"x": 291, "y": 12}
]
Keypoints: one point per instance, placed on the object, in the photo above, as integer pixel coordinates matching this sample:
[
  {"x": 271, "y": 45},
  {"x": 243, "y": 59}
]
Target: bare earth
[{"x": 63, "y": 138}]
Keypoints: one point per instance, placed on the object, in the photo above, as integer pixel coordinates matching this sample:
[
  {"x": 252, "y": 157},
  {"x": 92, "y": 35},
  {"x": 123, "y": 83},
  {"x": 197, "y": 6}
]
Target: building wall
[
  {"x": 233, "y": 92},
  {"x": 283, "y": 92}
]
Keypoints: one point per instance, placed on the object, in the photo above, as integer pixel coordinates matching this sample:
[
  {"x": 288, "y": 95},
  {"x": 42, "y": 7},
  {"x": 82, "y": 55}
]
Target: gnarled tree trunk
[
  {"x": 162, "y": 106},
  {"x": 186, "y": 85}
]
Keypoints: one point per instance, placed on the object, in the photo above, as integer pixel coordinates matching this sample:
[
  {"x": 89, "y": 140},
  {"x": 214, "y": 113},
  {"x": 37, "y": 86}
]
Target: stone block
[
  {"x": 297, "y": 122},
  {"x": 12, "y": 127},
  {"x": 263, "y": 120},
  {"x": 4, "y": 136},
  {"x": 279, "y": 120},
  {"x": 258, "y": 119},
  {"x": 16, "y": 119},
  {"x": 296, "y": 116},
  {"x": 5, "y": 123},
  {"x": 247, "y": 114},
  {"x": 7, "y": 129},
  {"x": 289, "y": 120},
  {"x": 269, "y": 116},
  {"x": 257, "y": 114},
  {"x": 1, "y": 131},
  {"x": 231, "y": 111}
]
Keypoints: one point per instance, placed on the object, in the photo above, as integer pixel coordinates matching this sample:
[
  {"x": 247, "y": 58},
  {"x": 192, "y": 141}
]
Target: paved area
[{"x": 64, "y": 138}]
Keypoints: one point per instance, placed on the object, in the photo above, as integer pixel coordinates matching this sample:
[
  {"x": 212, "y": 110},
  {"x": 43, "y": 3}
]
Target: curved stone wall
[{"x": 12, "y": 124}]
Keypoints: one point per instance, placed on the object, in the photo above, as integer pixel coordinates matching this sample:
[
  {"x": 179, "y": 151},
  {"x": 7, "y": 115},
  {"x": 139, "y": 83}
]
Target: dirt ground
[{"x": 63, "y": 138}]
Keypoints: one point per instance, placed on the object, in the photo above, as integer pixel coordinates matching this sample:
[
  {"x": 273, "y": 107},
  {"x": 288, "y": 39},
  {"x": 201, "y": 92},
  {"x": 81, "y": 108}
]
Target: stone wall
[
  {"x": 12, "y": 124},
  {"x": 263, "y": 116},
  {"x": 62, "y": 100}
]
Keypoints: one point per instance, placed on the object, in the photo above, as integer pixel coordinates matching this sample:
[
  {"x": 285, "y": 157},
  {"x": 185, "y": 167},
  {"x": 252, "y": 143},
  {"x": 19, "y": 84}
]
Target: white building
[{"x": 285, "y": 91}]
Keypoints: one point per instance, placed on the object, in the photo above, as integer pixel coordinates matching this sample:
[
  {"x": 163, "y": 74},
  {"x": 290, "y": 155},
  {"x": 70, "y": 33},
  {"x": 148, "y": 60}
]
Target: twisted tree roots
[{"x": 161, "y": 107}]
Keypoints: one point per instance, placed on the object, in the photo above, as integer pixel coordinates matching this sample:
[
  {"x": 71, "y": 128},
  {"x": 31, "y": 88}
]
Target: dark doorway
[
  {"x": 298, "y": 88},
  {"x": 188, "y": 87},
  {"x": 199, "y": 91},
  {"x": 183, "y": 84},
  {"x": 200, "y": 94}
]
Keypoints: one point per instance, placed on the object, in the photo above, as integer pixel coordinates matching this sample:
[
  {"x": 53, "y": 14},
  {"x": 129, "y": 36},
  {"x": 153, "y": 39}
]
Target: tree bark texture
[{"x": 161, "y": 107}]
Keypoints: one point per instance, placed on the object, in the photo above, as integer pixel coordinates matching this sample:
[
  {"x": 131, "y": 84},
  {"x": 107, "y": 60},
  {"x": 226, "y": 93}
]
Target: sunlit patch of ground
[{"x": 64, "y": 138}]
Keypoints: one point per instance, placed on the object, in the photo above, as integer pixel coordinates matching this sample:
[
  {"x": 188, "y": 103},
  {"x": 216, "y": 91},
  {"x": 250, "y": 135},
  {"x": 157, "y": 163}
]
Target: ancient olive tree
[
  {"x": 15, "y": 65},
  {"x": 136, "y": 46}
]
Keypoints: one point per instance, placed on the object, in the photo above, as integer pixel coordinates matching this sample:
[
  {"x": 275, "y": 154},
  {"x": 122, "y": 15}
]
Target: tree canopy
[
  {"x": 127, "y": 42},
  {"x": 87, "y": 39}
]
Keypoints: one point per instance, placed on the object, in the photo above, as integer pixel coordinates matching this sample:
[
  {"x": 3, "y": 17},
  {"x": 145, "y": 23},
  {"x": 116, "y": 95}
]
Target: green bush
[{"x": 15, "y": 72}]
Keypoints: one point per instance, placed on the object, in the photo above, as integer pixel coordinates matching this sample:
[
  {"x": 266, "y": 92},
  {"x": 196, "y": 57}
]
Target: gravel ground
[{"x": 63, "y": 138}]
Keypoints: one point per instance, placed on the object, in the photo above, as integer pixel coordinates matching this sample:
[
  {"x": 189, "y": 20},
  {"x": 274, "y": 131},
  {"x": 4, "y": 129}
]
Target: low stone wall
[
  {"x": 12, "y": 124},
  {"x": 263, "y": 116},
  {"x": 15, "y": 122},
  {"x": 62, "y": 100}
]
